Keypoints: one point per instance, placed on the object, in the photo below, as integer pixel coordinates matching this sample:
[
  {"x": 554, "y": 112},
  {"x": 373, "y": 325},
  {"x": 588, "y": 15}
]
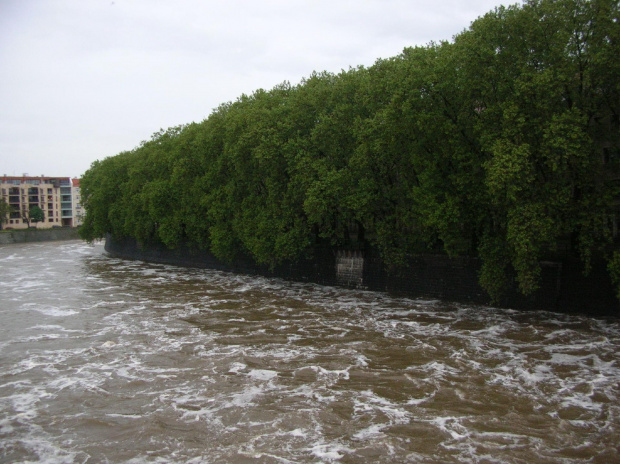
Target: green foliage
[
  {"x": 613, "y": 267},
  {"x": 5, "y": 210},
  {"x": 36, "y": 214},
  {"x": 489, "y": 146}
]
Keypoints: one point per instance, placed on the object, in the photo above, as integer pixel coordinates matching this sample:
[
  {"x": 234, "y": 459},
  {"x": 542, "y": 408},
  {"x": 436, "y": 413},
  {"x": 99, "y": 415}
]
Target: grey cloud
[{"x": 80, "y": 81}]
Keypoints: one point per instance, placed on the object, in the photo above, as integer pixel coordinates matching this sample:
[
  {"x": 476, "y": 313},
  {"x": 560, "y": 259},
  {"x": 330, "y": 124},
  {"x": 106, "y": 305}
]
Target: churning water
[{"x": 105, "y": 360}]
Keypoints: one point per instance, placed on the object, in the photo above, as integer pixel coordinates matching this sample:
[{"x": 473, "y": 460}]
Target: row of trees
[{"x": 500, "y": 144}]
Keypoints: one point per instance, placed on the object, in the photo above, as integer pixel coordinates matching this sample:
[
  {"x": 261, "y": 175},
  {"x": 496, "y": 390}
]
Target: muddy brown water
[{"x": 106, "y": 360}]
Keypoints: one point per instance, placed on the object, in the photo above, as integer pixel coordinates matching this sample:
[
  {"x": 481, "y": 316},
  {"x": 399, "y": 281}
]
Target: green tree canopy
[
  {"x": 5, "y": 210},
  {"x": 501, "y": 144},
  {"x": 36, "y": 214}
]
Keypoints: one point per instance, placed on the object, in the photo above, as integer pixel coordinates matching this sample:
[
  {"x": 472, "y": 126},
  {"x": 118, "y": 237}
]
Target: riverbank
[
  {"x": 563, "y": 286},
  {"x": 38, "y": 235}
]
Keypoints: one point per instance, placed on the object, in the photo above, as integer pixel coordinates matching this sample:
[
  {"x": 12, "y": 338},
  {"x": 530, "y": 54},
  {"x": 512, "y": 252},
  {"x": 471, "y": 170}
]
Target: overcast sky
[{"x": 82, "y": 80}]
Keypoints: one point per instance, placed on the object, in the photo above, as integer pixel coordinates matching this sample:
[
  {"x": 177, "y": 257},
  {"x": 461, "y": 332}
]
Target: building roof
[
  {"x": 44, "y": 179},
  {"x": 76, "y": 182}
]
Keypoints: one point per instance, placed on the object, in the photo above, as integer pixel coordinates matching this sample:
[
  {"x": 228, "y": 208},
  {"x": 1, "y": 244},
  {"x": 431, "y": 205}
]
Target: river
[{"x": 107, "y": 360}]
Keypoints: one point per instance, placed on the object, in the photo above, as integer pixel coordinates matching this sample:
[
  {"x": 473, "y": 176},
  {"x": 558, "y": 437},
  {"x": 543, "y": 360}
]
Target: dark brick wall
[
  {"x": 563, "y": 288},
  {"x": 429, "y": 276},
  {"x": 320, "y": 268},
  {"x": 581, "y": 293}
]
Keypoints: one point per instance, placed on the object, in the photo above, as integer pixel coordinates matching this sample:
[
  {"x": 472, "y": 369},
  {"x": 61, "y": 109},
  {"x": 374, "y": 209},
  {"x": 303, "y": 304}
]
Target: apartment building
[
  {"x": 76, "y": 196},
  {"x": 56, "y": 196}
]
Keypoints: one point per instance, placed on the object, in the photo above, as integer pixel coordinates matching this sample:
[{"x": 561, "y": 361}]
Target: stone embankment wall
[
  {"x": 38, "y": 235},
  {"x": 563, "y": 288}
]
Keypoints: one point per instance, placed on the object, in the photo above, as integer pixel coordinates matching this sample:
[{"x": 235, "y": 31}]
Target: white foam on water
[
  {"x": 25, "y": 404},
  {"x": 419, "y": 401},
  {"x": 125, "y": 416},
  {"x": 54, "y": 327},
  {"x": 330, "y": 452},
  {"x": 6, "y": 427},
  {"x": 371, "y": 432},
  {"x": 244, "y": 288},
  {"x": 43, "y": 337},
  {"x": 55, "y": 311},
  {"x": 299, "y": 433},
  {"x": 452, "y": 426},
  {"x": 49, "y": 453},
  {"x": 369, "y": 401},
  {"x": 262, "y": 374},
  {"x": 361, "y": 361},
  {"x": 109, "y": 303},
  {"x": 437, "y": 369},
  {"x": 246, "y": 397},
  {"x": 493, "y": 331},
  {"x": 105, "y": 289},
  {"x": 311, "y": 392},
  {"x": 259, "y": 455},
  {"x": 237, "y": 367},
  {"x": 332, "y": 375},
  {"x": 529, "y": 378},
  {"x": 27, "y": 285}
]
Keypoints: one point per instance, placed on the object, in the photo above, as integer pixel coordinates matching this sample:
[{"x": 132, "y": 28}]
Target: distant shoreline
[{"x": 10, "y": 236}]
